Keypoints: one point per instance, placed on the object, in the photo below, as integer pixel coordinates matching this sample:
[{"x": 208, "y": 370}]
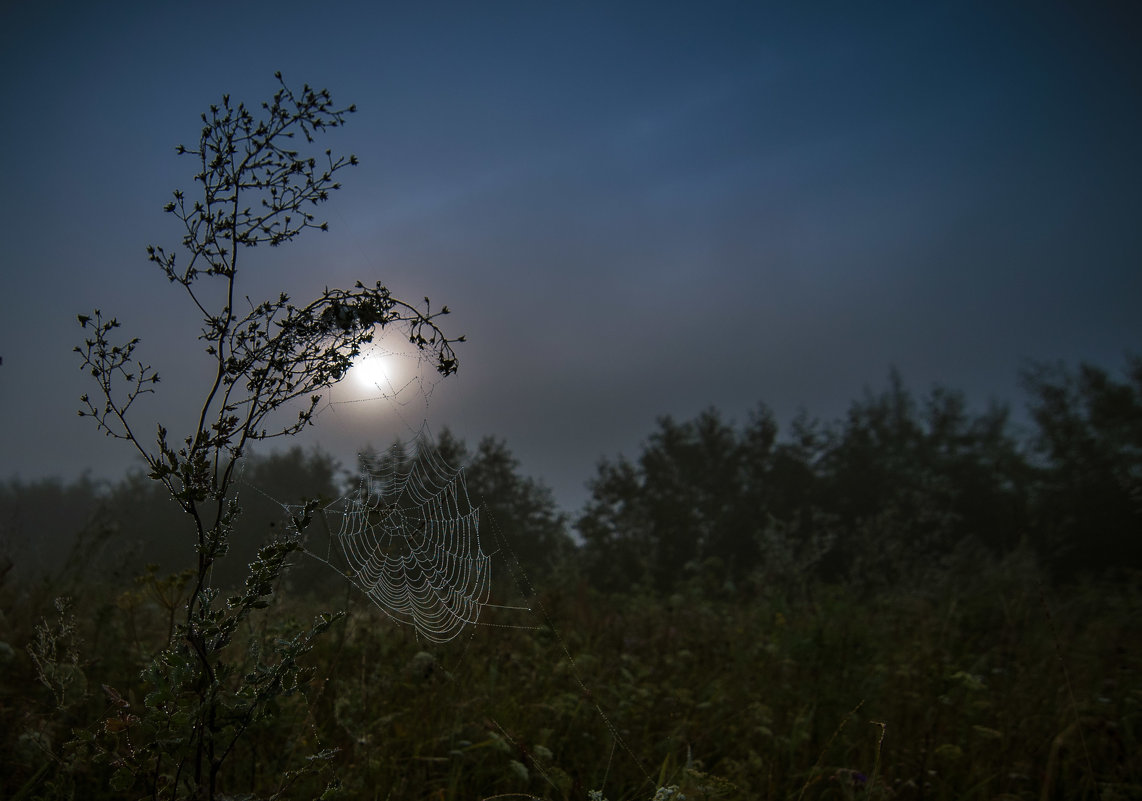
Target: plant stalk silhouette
[{"x": 253, "y": 188}]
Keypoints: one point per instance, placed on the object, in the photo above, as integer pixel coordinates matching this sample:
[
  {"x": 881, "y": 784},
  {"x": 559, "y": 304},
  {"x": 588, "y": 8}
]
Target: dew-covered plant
[
  {"x": 204, "y": 693},
  {"x": 56, "y": 657}
]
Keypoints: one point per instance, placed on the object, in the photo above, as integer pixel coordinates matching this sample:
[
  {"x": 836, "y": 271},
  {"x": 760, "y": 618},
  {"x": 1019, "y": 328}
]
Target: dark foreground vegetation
[{"x": 915, "y": 602}]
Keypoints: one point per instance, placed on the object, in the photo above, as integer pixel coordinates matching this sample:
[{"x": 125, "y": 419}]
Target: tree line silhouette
[{"x": 900, "y": 486}]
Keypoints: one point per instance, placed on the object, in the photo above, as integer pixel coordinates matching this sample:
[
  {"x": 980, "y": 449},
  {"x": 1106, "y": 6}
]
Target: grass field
[{"x": 980, "y": 683}]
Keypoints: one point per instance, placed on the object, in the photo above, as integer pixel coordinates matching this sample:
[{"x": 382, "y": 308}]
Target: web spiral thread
[{"x": 411, "y": 538}]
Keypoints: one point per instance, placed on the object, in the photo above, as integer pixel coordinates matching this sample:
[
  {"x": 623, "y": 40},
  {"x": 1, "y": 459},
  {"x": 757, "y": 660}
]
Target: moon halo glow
[{"x": 373, "y": 372}]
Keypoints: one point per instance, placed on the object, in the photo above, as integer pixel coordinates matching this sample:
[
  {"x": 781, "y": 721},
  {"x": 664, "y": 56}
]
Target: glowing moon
[{"x": 373, "y": 372}]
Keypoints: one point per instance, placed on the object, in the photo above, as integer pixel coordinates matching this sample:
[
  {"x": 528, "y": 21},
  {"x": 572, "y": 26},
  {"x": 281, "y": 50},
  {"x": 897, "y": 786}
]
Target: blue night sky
[{"x": 635, "y": 209}]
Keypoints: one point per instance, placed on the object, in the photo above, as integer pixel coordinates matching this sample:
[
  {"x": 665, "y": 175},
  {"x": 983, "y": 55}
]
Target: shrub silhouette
[{"x": 253, "y": 188}]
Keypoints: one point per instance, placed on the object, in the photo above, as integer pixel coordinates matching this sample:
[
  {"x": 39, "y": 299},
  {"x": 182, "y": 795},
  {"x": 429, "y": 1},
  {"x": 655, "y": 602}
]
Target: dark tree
[
  {"x": 514, "y": 508},
  {"x": 909, "y": 482},
  {"x": 895, "y": 486},
  {"x": 685, "y": 502},
  {"x": 39, "y": 521},
  {"x": 1088, "y": 504}
]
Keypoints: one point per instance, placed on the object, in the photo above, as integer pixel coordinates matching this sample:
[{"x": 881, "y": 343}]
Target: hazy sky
[{"x": 635, "y": 209}]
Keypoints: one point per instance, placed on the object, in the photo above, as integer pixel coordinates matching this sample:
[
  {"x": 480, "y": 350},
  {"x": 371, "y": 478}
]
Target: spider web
[
  {"x": 411, "y": 539},
  {"x": 408, "y": 535}
]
